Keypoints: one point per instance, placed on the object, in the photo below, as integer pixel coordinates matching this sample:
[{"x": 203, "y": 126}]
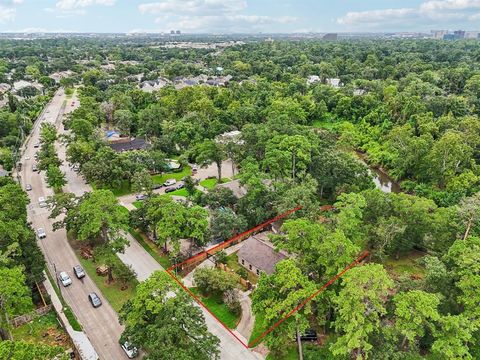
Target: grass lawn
[
  {"x": 124, "y": 189},
  {"x": 258, "y": 329},
  {"x": 138, "y": 204},
  {"x": 407, "y": 265},
  {"x": 42, "y": 330},
  {"x": 218, "y": 308},
  {"x": 292, "y": 354},
  {"x": 152, "y": 249},
  {"x": 112, "y": 292},
  {"x": 161, "y": 178},
  {"x": 232, "y": 263},
  {"x": 209, "y": 184}
]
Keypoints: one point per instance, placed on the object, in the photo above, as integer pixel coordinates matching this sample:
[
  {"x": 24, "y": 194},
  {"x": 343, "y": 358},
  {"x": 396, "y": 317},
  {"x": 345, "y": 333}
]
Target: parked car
[
  {"x": 34, "y": 168},
  {"x": 170, "y": 182},
  {"x": 41, "y": 233},
  {"x": 78, "y": 271},
  {"x": 180, "y": 186},
  {"x": 36, "y": 145},
  {"x": 28, "y": 187},
  {"x": 41, "y": 202},
  {"x": 156, "y": 186},
  {"x": 36, "y": 155},
  {"x": 141, "y": 197},
  {"x": 309, "y": 335},
  {"x": 130, "y": 350},
  {"x": 170, "y": 189},
  {"x": 27, "y": 157},
  {"x": 64, "y": 278},
  {"x": 76, "y": 168},
  {"x": 94, "y": 300},
  {"x": 194, "y": 169}
]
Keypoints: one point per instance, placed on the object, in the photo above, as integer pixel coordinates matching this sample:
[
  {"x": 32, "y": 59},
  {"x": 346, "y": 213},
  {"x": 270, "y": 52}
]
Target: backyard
[{"x": 232, "y": 263}]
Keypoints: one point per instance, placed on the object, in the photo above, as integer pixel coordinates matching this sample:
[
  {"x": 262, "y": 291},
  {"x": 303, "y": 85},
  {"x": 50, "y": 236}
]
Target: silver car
[
  {"x": 41, "y": 233},
  {"x": 78, "y": 271},
  {"x": 28, "y": 187},
  {"x": 94, "y": 300}
]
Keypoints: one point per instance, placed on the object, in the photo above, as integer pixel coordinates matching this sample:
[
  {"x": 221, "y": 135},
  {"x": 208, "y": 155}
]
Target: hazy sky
[{"x": 231, "y": 16}]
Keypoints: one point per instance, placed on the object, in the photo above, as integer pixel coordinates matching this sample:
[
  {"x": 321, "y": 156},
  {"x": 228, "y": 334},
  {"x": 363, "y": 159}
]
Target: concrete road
[{"x": 101, "y": 325}]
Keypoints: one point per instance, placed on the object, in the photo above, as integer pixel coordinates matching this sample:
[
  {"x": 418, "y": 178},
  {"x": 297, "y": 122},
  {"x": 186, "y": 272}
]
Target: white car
[
  {"x": 130, "y": 350},
  {"x": 64, "y": 278},
  {"x": 27, "y": 157},
  {"x": 41, "y": 233},
  {"x": 36, "y": 145},
  {"x": 170, "y": 182},
  {"x": 41, "y": 202},
  {"x": 28, "y": 187}
]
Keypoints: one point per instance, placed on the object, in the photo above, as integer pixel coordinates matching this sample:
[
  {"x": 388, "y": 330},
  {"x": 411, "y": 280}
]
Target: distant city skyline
[{"x": 237, "y": 16}]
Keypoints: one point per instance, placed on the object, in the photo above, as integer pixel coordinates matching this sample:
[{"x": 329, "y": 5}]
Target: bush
[
  {"x": 125, "y": 274},
  {"x": 243, "y": 273},
  {"x": 215, "y": 281},
  {"x": 231, "y": 299},
  {"x": 221, "y": 257}
]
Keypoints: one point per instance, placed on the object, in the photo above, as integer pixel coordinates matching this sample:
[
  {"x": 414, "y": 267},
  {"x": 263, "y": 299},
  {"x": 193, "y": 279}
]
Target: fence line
[{"x": 23, "y": 319}]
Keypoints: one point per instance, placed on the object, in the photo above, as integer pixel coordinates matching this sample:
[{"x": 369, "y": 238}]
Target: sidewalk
[{"x": 79, "y": 338}]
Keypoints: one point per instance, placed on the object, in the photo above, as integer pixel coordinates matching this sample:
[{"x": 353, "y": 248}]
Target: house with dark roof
[
  {"x": 130, "y": 144},
  {"x": 258, "y": 254}
]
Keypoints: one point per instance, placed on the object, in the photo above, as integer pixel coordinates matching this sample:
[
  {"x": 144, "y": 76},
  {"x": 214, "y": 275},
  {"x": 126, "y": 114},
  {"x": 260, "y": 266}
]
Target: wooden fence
[
  {"x": 23, "y": 319},
  {"x": 245, "y": 283}
]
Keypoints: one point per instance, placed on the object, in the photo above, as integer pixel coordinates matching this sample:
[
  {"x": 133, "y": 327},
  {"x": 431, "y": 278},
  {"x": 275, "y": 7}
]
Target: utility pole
[{"x": 299, "y": 342}]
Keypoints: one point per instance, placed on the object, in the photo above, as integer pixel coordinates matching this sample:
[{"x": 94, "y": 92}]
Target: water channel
[{"x": 380, "y": 178}]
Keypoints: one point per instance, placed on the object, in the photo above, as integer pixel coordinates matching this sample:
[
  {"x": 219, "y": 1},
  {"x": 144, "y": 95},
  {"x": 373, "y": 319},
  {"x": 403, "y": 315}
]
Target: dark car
[
  {"x": 309, "y": 335},
  {"x": 170, "y": 189},
  {"x": 94, "y": 300},
  {"x": 156, "y": 186},
  {"x": 78, "y": 271}
]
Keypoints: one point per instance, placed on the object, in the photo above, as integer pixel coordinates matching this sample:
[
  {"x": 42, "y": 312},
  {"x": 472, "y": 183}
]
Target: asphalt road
[{"x": 101, "y": 324}]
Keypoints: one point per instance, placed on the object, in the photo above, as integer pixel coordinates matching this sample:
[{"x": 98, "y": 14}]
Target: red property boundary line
[{"x": 237, "y": 237}]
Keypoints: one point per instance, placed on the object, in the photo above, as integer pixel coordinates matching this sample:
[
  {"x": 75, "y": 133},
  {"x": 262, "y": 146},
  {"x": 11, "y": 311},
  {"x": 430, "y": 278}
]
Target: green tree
[
  {"x": 142, "y": 182},
  {"x": 415, "y": 310},
  {"x": 162, "y": 319},
  {"x": 453, "y": 337},
  {"x": 213, "y": 281},
  {"x": 210, "y": 152},
  {"x": 360, "y": 306},
  {"x": 20, "y": 350},
  {"x": 276, "y": 295},
  {"x": 55, "y": 178}
]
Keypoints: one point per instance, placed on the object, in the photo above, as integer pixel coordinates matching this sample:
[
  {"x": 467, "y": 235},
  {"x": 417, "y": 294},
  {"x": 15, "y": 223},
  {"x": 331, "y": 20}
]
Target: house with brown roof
[{"x": 258, "y": 254}]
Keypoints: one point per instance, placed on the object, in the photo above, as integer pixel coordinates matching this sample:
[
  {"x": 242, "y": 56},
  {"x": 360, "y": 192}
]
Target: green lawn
[
  {"x": 408, "y": 265},
  {"x": 232, "y": 263},
  {"x": 152, "y": 249},
  {"x": 123, "y": 189},
  {"x": 112, "y": 292},
  {"x": 138, "y": 204},
  {"x": 161, "y": 178},
  {"x": 41, "y": 330},
  {"x": 292, "y": 354},
  {"x": 216, "y": 306},
  {"x": 209, "y": 184},
  {"x": 258, "y": 329}
]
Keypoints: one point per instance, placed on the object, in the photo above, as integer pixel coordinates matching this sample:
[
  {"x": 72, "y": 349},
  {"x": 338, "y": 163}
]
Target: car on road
[
  {"x": 130, "y": 350},
  {"x": 94, "y": 300},
  {"x": 170, "y": 182},
  {"x": 36, "y": 145},
  {"x": 27, "y": 157},
  {"x": 41, "y": 233},
  {"x": 180, "y": 186},
  {"x": 78, "y": 271},
  {"x": 28, "y": 187},
  {"x": 76, "y": 168},
  {"x": 141, "y": 197},
  {"x": 156, "y": 186},
  {"x": 170, "y": 189},
  {"x": 194, "y": 169},
  {"x": 34, "y": 168},
  {"x": 64, "y": 278},
  {"x": 41, "y": 202}
]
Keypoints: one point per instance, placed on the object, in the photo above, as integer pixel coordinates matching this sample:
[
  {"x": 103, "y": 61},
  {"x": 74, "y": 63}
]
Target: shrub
[
  {"x": 231, "y": 299},
  {"x": 215, "y": 281}
]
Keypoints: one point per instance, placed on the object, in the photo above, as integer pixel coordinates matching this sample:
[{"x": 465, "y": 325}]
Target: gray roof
[
  {"x": 259, "y": 252},
  {"x": 134, "y": 144}
]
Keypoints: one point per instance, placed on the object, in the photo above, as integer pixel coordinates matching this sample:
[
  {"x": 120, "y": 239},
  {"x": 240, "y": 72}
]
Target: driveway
[{"x": 101, "y": 325}]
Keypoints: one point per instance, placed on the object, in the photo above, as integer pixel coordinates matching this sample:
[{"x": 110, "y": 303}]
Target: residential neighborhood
[{"x": 239, "y": 180}]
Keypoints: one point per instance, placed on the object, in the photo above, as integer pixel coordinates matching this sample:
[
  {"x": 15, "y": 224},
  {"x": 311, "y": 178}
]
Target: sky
[{"x": 237, "y": 16}]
